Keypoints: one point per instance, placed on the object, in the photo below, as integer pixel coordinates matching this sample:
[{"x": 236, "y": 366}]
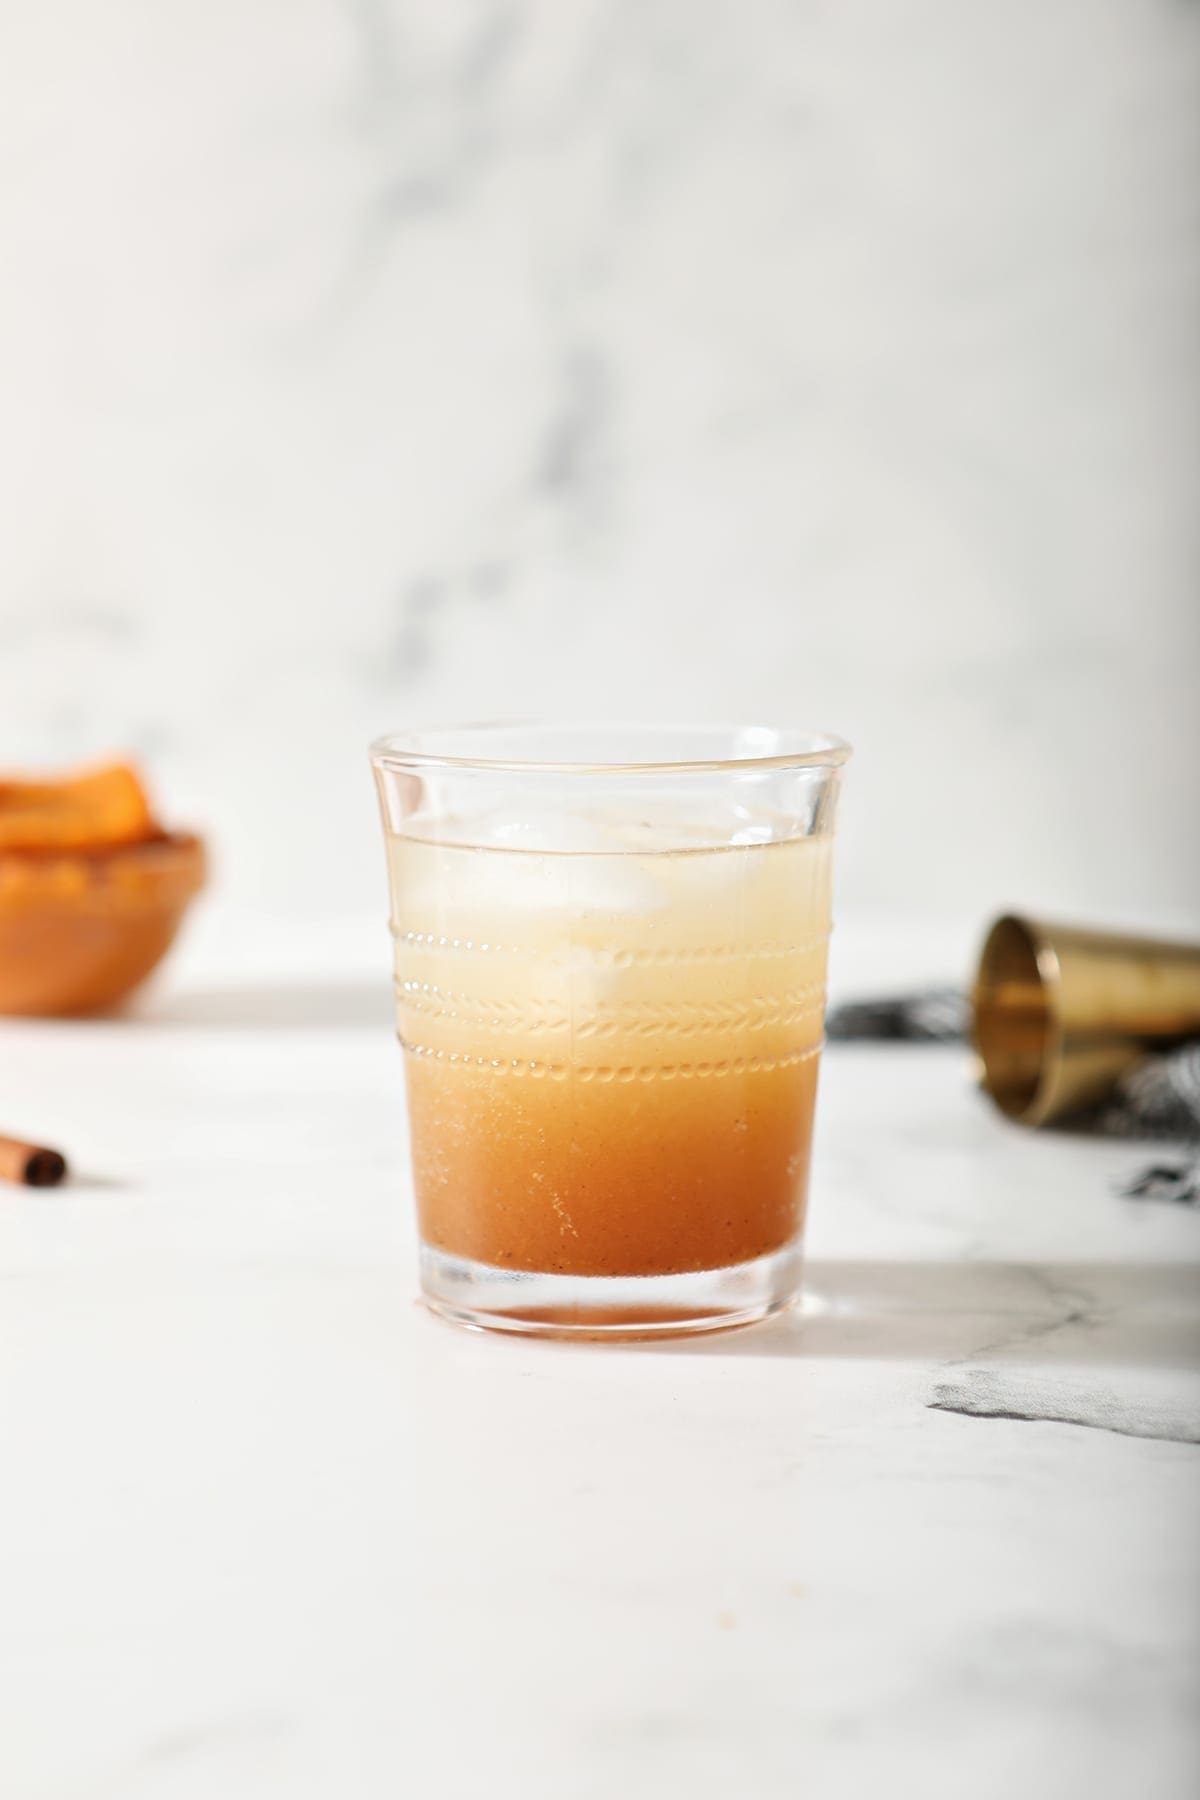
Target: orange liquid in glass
[{"x": 611, "y": 1059}]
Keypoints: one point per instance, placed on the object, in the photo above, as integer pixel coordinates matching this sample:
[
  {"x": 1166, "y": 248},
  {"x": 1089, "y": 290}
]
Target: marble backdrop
[{"x": 365, "y": 363}]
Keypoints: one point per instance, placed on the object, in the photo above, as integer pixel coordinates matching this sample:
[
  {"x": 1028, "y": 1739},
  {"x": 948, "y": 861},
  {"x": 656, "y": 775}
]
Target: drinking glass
[{"x": 610, "y": 947}]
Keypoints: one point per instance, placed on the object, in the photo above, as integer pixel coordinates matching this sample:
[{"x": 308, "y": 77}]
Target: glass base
[{"x": 486, "y": 1298}]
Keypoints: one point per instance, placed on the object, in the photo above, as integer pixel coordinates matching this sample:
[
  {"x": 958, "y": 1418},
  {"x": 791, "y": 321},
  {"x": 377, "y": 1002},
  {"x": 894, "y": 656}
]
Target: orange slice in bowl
[{"x": 93, "y": 810}]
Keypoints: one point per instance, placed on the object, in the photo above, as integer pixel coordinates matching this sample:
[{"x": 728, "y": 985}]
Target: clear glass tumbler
[{"x": 610, "y": 948}]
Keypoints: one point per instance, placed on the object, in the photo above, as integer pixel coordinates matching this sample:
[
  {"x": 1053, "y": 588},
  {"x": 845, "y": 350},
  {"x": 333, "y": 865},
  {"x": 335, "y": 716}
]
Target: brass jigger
[{"x": 1061, "y": 1013}]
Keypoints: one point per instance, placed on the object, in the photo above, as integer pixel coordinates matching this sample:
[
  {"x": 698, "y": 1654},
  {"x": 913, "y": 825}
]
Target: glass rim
[{"x": 415, "y": 749}]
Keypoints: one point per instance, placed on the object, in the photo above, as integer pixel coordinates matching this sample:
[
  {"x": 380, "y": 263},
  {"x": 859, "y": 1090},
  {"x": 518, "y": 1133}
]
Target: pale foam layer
[
  {"x": 495, "y": 867},
  {"x": 596, "y": 957}
]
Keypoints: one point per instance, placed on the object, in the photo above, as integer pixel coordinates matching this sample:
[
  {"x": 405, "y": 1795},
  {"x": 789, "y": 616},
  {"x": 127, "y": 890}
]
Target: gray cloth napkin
[
  {"x": 1159, "y": 1098},
  {"x": 938, "y": 1015}
]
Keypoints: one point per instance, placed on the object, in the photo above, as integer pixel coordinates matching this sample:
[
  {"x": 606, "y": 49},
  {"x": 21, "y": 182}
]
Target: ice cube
[{"x": 528, "y": 863}]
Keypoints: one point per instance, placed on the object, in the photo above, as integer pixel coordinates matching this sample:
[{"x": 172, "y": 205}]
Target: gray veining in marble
[
  {"x": 776, "y": 360},
  {"x": 1035, "y": 1398},
  {"x": 267, "y": 1529}
]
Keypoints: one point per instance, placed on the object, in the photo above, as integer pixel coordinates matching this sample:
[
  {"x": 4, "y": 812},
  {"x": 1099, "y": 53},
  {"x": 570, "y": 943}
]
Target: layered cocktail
[{"x": 610, "y": 987}]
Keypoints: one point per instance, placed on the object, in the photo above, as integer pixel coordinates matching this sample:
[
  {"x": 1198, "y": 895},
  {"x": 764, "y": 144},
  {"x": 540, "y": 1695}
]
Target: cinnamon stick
[{"x": 30, "y": 1165}]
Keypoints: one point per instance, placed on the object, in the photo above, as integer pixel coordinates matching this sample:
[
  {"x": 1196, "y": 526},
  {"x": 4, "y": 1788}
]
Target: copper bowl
[{"x": 80, "y": 930}]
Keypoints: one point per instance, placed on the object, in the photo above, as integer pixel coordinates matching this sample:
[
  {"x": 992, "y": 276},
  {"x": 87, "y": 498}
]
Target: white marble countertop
[{"x": 266, "y": 1529}]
